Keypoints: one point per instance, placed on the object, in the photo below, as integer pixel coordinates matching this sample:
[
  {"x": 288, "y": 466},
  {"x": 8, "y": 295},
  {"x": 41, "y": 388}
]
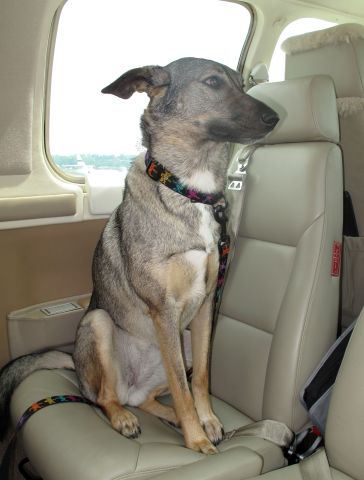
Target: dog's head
[{"x": 200, "y": 98}]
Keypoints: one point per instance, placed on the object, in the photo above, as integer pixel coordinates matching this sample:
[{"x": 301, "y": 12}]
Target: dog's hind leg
[
  {"x": 99, "y": 370},
  {"x": 165, "y": 412}
]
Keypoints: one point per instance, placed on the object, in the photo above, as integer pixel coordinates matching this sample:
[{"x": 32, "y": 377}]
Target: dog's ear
[{"x": 148, "y": 79}]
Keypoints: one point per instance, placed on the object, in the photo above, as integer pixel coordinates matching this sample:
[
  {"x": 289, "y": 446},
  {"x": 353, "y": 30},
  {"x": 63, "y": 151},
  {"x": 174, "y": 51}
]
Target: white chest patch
[
  {"x": 197, "y": 259},
  {"x": 207, "y": 226},
  {"x": 203, "y": 181}
]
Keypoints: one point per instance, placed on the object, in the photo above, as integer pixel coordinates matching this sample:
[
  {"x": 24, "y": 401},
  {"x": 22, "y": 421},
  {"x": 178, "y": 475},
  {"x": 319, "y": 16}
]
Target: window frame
[{"x": 81, "y": 179}]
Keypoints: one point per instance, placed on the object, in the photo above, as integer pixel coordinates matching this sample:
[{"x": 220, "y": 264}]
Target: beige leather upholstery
[
  {"x": 344, "y": 431},
  {"x": 338, "y": 52},
  {"x": 280, "y": 304},
  {"x": 279, "y": 315},
  {"x": 76, "y": 441},
  {"x": 307, "y": 116}
]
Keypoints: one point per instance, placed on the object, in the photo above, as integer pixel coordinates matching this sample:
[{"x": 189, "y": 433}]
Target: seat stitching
[{"x": 313, "y": 287}]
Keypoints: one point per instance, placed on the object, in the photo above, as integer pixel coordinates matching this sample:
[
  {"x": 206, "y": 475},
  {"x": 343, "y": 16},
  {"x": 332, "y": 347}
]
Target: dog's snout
[{"x": 270, "y": 118}]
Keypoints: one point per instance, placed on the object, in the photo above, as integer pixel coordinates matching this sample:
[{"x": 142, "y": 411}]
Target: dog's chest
[{"x": 208, "y": 229}]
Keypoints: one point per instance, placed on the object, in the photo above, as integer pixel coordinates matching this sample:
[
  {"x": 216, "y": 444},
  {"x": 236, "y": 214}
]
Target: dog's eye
[{"x": 213, "y": 81}]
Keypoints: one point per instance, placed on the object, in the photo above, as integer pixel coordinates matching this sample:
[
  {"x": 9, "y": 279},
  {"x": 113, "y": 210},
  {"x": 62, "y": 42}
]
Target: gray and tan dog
[{"x": 155, "y": 266}]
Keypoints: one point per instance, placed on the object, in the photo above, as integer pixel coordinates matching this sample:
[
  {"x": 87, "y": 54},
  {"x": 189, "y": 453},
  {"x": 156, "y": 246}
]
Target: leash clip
[{"x": 220, "y": 214}]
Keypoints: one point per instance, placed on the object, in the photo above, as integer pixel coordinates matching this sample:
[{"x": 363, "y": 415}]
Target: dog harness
[{"x": 158, "y": 173}]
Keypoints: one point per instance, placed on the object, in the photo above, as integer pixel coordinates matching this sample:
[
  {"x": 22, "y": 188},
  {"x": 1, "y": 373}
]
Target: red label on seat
[{"x": 336, "y": 259}]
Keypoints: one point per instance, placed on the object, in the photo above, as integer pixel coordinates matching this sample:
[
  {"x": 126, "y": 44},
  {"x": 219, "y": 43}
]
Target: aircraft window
[
  {"x": 298, "y": 27},
  {"x": 99, "y": 40}
]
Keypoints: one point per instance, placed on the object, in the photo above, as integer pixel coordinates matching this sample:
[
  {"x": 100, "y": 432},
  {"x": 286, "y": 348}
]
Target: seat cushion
[
  {"x": 76, "y": 440},
  {"x": 294, "y": 473}
]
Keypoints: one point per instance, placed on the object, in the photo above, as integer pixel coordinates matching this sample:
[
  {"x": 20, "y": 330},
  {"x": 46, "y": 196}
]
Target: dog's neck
[
  {"x": 158, "y": 172},
  {"x": 203, "y": 168}
]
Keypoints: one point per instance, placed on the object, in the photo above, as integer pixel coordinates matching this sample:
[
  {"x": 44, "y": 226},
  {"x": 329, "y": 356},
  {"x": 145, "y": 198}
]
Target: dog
[{"x": 155, "y": 266}]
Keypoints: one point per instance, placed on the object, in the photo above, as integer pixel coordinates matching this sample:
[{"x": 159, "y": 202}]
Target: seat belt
[
  {"x": 271, "y": 430},
  {"x": 316, "y": 392},
  {"x": 350, "y": 227},
  {"x": 316, "y": 467}
]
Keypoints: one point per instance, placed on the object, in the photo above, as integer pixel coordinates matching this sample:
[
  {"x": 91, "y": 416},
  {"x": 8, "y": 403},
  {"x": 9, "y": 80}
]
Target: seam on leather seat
[
  {"x": 137, "y": 458},
  {"x": 60, "y": 372},
  {"x": 247, "y": 237},
  {"x": 304, "y": 328},
  {"x": 153, "y": 471},
  {"x": 313, "y": 111},
  {"x": 313, "y": 288},
  {"x": 248, "y": 325}
]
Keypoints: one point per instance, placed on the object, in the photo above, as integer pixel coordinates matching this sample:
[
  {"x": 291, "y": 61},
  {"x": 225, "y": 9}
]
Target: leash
[
  {"x": 9, "y": 455},
  {"x": 235, "y": 193},
  {"x": 159, "y": 173},
  {"x": 234, "y": 201}
]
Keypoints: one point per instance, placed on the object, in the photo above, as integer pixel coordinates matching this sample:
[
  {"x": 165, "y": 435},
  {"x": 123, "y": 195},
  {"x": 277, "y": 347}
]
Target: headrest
[
  {"x": 306, "y": 108},
  {"x": 337, "y": 51}
]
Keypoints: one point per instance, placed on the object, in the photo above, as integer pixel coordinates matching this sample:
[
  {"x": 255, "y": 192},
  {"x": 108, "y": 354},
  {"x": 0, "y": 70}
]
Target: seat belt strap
[
  {"x": 316, "y": 392},
  {"x": 315, "y": 467},
  {"x": 296, "y": 447},
  {"x": 271, "y": 430}
]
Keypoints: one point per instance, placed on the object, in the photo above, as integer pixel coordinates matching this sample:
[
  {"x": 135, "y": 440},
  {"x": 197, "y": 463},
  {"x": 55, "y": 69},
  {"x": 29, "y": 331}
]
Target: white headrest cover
[
  {"x": 306, "y": 108},
  {"x": 337, "y": 51}
]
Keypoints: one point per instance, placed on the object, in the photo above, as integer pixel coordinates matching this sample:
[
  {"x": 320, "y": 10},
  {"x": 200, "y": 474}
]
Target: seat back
[
  {"x": 280, "y": 304},
  {"x": 344, "y": 430},
  {"x": 339, "y": 52}
]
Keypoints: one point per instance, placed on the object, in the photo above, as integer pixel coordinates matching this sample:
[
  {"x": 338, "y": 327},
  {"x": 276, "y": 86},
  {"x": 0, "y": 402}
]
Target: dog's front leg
[
  {"x": 168, "y": 333},
  {"x": 201, "y": 333}
]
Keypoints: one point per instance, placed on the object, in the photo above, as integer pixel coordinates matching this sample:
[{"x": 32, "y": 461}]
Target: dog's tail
[{"x": 12, "y": 374}]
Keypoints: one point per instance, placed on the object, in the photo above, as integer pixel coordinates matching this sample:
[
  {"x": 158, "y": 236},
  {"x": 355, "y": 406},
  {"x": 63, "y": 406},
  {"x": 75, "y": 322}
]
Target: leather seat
[
  {"x": 278, "y": 317},
  {"x": 339, "y": 51},
  {"x": 344, "y": 430}
]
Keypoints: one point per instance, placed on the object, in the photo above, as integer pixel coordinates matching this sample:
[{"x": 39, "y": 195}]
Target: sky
[{"x": 99, "y": 40}]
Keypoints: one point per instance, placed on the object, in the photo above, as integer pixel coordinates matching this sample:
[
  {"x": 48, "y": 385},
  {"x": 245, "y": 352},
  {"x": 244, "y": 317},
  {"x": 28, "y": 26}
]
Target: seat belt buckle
[{"x": 304, "y": 444}]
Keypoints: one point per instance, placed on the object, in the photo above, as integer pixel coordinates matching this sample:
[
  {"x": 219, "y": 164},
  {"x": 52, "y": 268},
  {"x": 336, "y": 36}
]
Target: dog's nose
[{"x": 270, "y": 118}]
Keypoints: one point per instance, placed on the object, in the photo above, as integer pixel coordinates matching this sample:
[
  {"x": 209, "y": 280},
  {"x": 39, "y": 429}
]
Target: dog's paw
[
  {"x": 203, "y": 445},
  {"x": 214, "y": 430},
  {"x": 126, "y": 423}
]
